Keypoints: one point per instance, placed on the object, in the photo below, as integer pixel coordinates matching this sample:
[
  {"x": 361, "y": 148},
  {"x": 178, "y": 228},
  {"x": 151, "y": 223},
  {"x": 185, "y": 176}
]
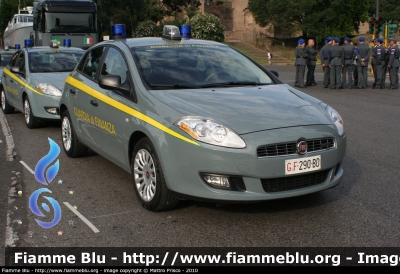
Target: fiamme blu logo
[{"x": 44, "y": 174}]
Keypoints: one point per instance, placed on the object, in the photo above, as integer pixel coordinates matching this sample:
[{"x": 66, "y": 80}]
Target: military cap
[
  {"x": 362, "y": 38},
  {"x": 337, "y": 39},
  {"x": 329, "y": 38},
  {"x": 347, "y": 39},
  {"x": 301, "y": 41},
  {"x": 380, "y": 40},
  {"x": 326, "y": 41}
]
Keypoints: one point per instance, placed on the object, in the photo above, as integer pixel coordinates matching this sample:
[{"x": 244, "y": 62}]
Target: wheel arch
[{"x": 133, "y": 140}]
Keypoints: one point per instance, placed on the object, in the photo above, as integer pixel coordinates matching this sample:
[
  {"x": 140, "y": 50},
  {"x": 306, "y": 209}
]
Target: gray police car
[
  {"x": 195, "y": 119},
  {"x": 5, "y": 57},
  {"x": 33, "y": 80}
]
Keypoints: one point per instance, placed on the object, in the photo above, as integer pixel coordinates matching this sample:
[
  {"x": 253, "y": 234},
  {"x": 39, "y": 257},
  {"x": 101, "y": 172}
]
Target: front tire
[
  {"x": 30, "y": 120},
  {"x": 5, "y": 106},
  {"x": 72, "y": 147},
  {"x": 148, "y": 178}
]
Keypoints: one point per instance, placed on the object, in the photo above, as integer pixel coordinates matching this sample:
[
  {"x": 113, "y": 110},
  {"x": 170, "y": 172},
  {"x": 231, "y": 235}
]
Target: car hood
[
  {"x": 56, "y": 79},
  {"x": 246, "y": 109}
]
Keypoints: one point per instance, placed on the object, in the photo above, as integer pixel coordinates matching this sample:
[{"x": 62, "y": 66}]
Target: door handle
[
  {"x": 94, "y": 103},
  {"x": 72, "y": 91},
  {"x": 11, "y": 81}
]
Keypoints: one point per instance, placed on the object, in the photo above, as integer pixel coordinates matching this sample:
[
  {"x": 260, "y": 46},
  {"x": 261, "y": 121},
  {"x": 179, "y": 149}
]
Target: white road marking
[
  {"x": 27, "y": 167},
  {"x": 86, "y": 221}
]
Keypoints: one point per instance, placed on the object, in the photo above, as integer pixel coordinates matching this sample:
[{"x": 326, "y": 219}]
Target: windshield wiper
[
  {"x": 176, "y": 86},
  {"x": 224, "y": 84}
]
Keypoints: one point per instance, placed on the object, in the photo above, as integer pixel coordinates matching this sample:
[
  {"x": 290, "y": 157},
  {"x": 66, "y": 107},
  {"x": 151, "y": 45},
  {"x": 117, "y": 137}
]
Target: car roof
[
  {"x": 158, "y": 41},
  {"x": 11, "y": 51},
  {"x": 36, "y": 49}
]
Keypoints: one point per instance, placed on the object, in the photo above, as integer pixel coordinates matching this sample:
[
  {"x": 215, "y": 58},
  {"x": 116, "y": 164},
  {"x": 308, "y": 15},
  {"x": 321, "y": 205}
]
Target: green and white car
[
  {"x": 195, "y": 119},
  {"x": 33, "y": 81}
]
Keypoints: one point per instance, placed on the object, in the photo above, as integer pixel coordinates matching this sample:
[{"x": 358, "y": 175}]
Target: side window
[
  {"x": 115, "y": 64},
  {"x": 91, "y": 62},
  {"x": 21, "y": 62},
  {"x": 13, "y": 61}
]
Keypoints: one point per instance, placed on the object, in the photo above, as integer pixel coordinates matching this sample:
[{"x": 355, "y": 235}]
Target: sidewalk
[{"x": 261, "y": 55}]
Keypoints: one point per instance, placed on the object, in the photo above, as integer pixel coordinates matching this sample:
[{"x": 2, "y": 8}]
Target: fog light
[
  {"x": 217, "y": 181},
  {"x": 52, "y": 110}
]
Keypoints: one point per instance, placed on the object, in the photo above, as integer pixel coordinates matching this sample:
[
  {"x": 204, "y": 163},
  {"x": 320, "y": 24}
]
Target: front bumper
[{"x": 264, "y": 178}]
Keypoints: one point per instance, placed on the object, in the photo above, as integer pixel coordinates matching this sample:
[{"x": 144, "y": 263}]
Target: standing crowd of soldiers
[{"x": 346, "y": 66}]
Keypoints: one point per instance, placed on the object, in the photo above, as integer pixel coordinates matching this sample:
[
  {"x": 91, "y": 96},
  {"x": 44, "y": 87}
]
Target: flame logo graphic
[
  {"x": 41, "y": 175},
  {"x": 45, "y": 161},
  {"x": 35, "y": 209}
]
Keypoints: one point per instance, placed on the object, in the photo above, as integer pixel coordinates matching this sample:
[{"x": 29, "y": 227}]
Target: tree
[
  {"x": 388, "y": 10},
  {"x": 127, "y": 12},
  {"x": 311, "y": 18},
  {"x": 172, "y": 7},
  {"x": 206, "y": 26}
]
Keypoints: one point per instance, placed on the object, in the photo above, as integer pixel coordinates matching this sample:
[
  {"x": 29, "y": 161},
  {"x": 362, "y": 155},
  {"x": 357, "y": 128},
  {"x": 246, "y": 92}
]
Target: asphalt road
[{"x": 362, "y": 211}]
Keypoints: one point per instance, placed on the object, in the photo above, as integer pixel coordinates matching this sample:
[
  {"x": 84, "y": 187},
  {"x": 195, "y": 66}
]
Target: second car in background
[{"x": 33, "y": 81}]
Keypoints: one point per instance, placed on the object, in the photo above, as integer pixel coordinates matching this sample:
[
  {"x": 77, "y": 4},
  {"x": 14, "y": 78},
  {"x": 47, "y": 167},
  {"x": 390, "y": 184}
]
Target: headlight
[
  {"x": 337, "y": 120},
  {"x": 211, "y": 132},
  {"x": 49, "y": 89}
]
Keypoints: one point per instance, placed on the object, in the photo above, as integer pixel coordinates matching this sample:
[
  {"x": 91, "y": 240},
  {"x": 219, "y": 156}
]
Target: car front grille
[
  {"x": 290, "y": 148},
  {"x": 294, "y": 182}
]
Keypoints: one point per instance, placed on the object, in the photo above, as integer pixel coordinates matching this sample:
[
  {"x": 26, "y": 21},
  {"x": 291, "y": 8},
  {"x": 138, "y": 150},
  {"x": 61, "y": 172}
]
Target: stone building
[{"x": 237, "y": 20}]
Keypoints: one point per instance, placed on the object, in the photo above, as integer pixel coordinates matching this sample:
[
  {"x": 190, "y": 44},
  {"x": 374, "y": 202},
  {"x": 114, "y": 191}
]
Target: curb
[{"x": 10, "y": 237}]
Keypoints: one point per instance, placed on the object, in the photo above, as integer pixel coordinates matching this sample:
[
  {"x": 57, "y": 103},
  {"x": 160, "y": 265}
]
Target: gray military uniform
[
  {"x": 336, "y": 61},
  {"x": 324, "y": 55},
  {"x": 348, "y": 66},
  {"x": 311, "y": 62},
  {"x": 300, "y": 64},
  {"x": 380, "y": 66},
  {"x": 363, "y": 53},
  {"x": 394, "y": 64},
  {"x": 374, "y": 62}
]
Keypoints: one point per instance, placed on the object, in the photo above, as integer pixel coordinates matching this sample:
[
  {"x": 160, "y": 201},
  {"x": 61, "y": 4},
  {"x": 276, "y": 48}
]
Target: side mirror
[
  {"x": 110, "y": 82},
  {"x": 15, "y": 69},
  {"x": 274, "y": 72}
]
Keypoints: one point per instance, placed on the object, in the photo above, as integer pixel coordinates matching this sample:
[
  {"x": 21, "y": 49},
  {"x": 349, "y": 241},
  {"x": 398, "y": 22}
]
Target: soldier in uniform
[
  {"x": 300, "y": 63},
  {"x": 355, "y": 70},
  {"x": 336, "y": 63},
  {"x": 311, "y": 62},
  {"x": 374, "y": 60},
  {"x": 380, "y": 64},
  {"x": 363, "y": 53},
  {"x": 324, "y": 55},
  {"x": 394, "y": 64},
  {"x": 348, "y": 64}
]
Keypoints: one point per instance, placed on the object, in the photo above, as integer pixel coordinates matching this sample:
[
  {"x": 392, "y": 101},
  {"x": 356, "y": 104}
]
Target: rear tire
[
  {"x": 30, "y": 120},
  {"x": 5, "y": 106},
  {"x": 72, "y": 147},
  {"x": 148, "y": 178}
]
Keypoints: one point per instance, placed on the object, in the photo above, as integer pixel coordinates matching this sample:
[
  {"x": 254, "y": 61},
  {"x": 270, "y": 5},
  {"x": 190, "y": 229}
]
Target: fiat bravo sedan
[
  {"x": 33, "y": 80},
  {"x": 195, "y": 119}
]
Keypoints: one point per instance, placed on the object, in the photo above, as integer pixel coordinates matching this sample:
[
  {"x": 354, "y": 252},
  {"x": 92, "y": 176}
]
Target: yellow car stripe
[
  {"x": 9, "y": 73},
  {"x": 98, "y": 95}
]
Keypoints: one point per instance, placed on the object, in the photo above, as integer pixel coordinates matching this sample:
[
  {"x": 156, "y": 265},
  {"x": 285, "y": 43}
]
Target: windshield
[
  {"x": 196, "y": 66},
  {"x": 70, "y": 22},
  {"x": 5, "y": 58},
  {"x": 53, "y": 61}
]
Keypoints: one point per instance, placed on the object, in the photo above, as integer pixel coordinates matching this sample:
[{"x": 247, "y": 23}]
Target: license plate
[{"x": 301, "y": 165}]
